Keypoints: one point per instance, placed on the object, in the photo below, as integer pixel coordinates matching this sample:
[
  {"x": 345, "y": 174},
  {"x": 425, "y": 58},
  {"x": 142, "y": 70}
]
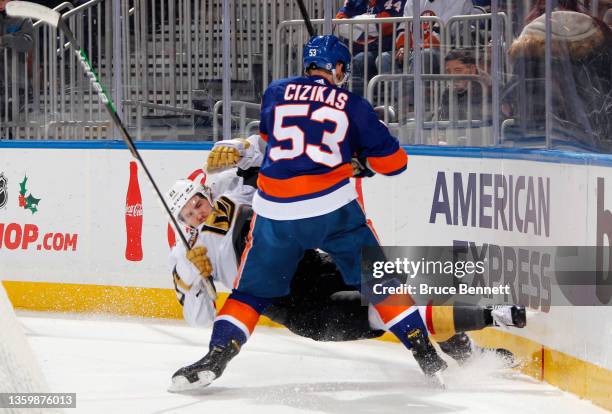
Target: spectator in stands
[
  {"x": 444, "y": 9},
  {"x": 604, "y": 7},
  {"x": 484, "y": 5},
  {"x": 607, "y": 18},
  {"x": 581, "y": 81},
  {"x": 469, "y": 97},
  {"x": 15, "y": 41},
  {"x": 539, "y": 8},
  {"x": 368, "y": 43}
]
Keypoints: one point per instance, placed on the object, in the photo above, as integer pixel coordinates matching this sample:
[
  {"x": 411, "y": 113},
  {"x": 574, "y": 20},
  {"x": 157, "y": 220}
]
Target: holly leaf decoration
[
  {"x": 32, "y": 203},
  {"x": 22, "y": 186},
  {"x": 22, "y": 201}
]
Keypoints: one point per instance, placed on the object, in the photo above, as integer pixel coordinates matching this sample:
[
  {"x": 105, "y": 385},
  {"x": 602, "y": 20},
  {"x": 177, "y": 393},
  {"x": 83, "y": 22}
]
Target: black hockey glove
[{"x": 360, "y": 169}]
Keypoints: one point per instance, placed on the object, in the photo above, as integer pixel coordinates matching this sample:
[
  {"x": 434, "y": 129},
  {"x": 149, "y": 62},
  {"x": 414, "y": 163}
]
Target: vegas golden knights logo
[
  {"x": 3, "y": 190},
  {"x": 220, "y": 220}
]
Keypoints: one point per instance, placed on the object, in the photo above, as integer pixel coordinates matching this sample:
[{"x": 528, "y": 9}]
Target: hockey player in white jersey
[
  {"x": 214, "y": 210},
  {"x": 216, "y": 213}
]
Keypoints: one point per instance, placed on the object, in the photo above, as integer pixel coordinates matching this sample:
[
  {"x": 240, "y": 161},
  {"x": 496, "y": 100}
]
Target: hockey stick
[
  {"x": 53, "y": 18},
  {"x": 309, "y": 27}
]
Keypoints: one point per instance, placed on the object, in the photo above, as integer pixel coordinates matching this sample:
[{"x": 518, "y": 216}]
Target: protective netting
[{"x": 580, "y": 83}]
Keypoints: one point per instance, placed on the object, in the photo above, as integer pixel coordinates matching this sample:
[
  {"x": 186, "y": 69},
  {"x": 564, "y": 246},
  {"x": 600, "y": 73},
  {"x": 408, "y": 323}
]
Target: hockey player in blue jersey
[{"x": 313, "y": 128}]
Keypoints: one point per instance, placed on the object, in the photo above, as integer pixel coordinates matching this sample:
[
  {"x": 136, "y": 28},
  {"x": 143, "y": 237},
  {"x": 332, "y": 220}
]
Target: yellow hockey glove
[
  {"x": 226, "y": 154},
  {"x": 197, "y": 256}
]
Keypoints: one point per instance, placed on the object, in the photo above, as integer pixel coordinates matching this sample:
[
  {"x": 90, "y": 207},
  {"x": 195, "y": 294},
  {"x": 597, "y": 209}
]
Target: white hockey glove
[{"x": 239, "y": 153}]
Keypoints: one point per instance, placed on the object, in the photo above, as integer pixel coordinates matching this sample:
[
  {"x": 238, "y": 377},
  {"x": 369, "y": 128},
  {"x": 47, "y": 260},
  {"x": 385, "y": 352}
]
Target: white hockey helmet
[{"x": 181, "y": 192}]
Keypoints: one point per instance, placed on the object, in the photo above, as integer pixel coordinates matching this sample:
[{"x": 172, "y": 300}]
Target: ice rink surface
[{"x": 124, "y": 366}]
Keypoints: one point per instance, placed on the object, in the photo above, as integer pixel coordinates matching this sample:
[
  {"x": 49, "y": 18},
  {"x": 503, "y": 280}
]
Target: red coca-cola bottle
[
  {"x": 133, "y": 217},
  {"x": 171, "y": 236}
]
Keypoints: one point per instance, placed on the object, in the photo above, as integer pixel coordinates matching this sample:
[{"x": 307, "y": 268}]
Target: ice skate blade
[
  {"x": 436, "y": 381},
  {"x": 439, "y": 380},
  {"x": 182, "y": 384}
]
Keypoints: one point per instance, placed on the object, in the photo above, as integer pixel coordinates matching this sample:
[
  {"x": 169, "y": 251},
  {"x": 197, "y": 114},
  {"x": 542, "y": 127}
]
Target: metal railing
[
  {"x": 16, "y": 79},
  {"x": 291, "y": 35},
  {"x": 168, "y": 52},
  {"x": 173, "y": 48},
  {"x": 56, "y": 100},
  {"x": 469, "y": 31},
  {"x": 172, "y": 130},
  {"x": 245, "y": 124},
  {"x": 163, "y": 58},
  {"x": 454, "y": 114},
  {"x": 475, "y": 32}
]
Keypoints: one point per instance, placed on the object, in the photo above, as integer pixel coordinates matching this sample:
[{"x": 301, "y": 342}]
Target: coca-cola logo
[{"x": 134, "y": 210}]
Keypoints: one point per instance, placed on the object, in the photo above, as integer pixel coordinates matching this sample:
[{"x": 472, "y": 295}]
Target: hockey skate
[
  {"x": 505, "y": 315},
  {"x": 428, "y": 359},
  {"x": 461, "y": 349},
  {"x": 202, "y": 373}
]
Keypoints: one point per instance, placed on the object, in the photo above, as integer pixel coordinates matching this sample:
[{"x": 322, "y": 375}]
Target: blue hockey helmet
[{"x": 324, "y": 52}]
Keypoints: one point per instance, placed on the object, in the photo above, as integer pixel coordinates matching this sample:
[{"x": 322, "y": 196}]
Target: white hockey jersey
[{"x": 231, "y": 196}]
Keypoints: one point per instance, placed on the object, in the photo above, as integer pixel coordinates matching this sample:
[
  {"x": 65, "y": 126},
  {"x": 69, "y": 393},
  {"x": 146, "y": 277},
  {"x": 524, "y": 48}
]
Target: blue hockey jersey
[{"x": 313, "y": 130}]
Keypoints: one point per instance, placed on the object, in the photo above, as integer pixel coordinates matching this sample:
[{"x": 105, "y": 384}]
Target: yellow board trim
[
  {"x": 68, "y": 297},
  {"x": 571, "y": 374},
  {"x": 582, "y": 378},
  {"x": 116, "y": 300}
]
